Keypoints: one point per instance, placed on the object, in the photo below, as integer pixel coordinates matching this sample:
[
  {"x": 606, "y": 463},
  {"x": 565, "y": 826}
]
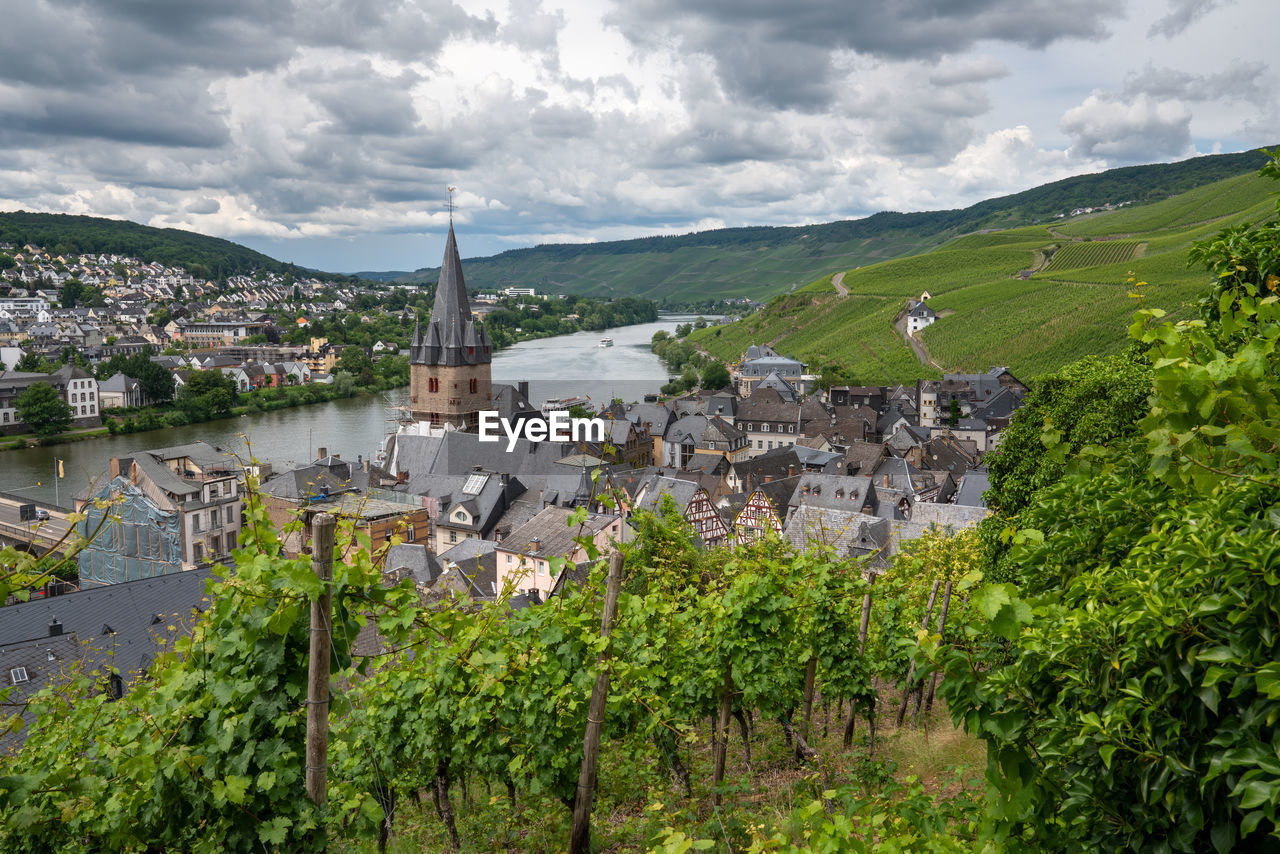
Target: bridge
[{"x": 39, "y": 536}]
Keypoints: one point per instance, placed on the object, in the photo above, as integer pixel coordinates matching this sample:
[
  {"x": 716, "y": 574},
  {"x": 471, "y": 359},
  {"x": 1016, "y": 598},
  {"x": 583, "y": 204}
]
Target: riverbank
[{"x": 142, "y": 419}]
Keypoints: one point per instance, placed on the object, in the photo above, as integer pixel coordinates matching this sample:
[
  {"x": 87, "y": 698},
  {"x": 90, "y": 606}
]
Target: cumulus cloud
[
  {"x": 307, "y": 124},
  {"x": 783, "y": 55},
  {"x": 1181, "y": 14},
  {"x": 1137, "y": 130}
]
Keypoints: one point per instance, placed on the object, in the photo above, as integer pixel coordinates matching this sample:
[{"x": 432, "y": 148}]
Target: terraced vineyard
[
  {"x": 1074, "y": 305},
  {"x": 1075, "y": 255}
]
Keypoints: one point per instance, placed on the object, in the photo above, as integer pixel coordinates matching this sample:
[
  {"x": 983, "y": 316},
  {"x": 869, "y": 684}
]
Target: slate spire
[{"x": 452, "y": 336}]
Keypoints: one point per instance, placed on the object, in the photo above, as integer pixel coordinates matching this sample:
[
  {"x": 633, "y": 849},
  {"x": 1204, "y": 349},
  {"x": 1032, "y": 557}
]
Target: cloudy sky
[{"x": 326, "y": 132}]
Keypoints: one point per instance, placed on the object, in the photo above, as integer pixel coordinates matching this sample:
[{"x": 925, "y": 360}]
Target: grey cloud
[
  {"x": 980, "y": 70},
  {"x": 1241, "y": 81},
  {"x": 1132, "y": 131},
  {"x": 360, "y": 100},
  {"x": 1182, "y": 14},
  {"x": 166, "y": 116},
  {"x": 780, "y": 54},
  {"x": 204, "y": 205}
]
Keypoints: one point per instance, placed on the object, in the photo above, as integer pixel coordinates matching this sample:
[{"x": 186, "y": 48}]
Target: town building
[{"x": 160, "y": 512}]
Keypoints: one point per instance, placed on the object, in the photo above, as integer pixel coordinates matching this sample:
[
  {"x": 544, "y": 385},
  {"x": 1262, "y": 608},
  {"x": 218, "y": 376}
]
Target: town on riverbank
[{"x": 99, "y": 344}]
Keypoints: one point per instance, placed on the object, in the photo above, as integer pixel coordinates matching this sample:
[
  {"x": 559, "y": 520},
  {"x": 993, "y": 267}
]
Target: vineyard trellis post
[
  {"x": 317, "y": 749},
  {"x": 580, "y": 834},
  {"x": 911, "y": 672},
  {"x": 942, "y": 628}
]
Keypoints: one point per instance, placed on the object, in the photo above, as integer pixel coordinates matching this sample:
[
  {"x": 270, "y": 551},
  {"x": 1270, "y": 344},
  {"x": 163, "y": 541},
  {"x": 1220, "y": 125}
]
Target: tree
[
  {"x": 155, "y": 381},
  {"x": 354, "y": 360},
  {"x": 207, "y": 394},
  {"x": 43, "y": 410},
  {"x": 72, "y": 291},
  {"x": 1128, "y": 685},
  {"x": 715, "y": 375}
]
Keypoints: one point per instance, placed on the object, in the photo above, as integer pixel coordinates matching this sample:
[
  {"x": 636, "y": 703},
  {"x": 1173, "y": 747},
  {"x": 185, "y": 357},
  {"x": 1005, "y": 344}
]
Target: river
[{"x": 562, "y": 366}]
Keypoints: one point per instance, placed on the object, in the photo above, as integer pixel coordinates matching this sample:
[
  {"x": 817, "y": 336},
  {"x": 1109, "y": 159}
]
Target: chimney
[
  {"x": 322, "y": 453},
  {"x": 768, "y": 478},
  {"x": 55, "y": 628},
  {"x": 791, "y": 471},
  {"x": 523, "y": 386},
  {"x": 886, "y": 481},
  {"x": 534, "y": 545},
  {"x": 402, "y": 477}
]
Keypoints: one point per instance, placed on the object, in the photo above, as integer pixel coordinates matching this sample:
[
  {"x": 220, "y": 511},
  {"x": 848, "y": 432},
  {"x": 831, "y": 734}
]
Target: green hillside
[
  {"x": 203, "y": 256},
  {"x": 1074, "y": 300},
  {"x": 761, "y": 262}
]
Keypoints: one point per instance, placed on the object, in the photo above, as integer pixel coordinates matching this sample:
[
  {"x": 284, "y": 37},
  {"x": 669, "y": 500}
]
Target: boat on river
[{"x": 605, "y": 342}]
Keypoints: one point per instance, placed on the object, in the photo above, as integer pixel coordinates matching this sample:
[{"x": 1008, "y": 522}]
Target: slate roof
[
  {"x": 554, "y": 535},
  {"x": 412, "y": 559},
  {"x": 657, "y": 416},
  {"x": 452, "y": 337},
  {"x": 766, "y": 404},
  {"x": 681, "y": 491},
  {"x": 834, "y": 492},
  {"x": 848, "y": 532},
  {"x": 429, "y": 460},
  {"x": 116, "y": 625},
  {"x": 972, "y": 487}
]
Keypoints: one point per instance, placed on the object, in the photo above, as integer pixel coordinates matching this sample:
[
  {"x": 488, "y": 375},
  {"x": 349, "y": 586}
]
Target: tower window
[
  {"x": 433, "y": 384},
  {"x": 474, "y": 385}
]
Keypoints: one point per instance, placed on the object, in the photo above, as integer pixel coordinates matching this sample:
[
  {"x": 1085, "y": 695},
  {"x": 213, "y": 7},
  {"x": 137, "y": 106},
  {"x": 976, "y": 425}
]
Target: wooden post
[
  {"x": 942, "y": 632},
  {"x": 322, "y": 529},
  {"x": 911, "y": 672},
  {"x": 580, "y": 835},
  {"x": 721, "y": 746},
  {"x": 865, "y": 624}
]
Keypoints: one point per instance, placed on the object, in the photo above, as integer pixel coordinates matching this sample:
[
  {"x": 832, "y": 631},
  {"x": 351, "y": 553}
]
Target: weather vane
[{"x": 452, "y": 190}]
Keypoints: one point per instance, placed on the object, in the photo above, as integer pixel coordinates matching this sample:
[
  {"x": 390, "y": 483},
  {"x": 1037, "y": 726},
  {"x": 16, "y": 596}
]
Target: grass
[
  {"x": 637, "y": 802},
  {"x": 1074, "y": 305}
]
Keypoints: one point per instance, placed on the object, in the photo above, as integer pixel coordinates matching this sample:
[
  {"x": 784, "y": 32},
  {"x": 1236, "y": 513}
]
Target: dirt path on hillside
[{"x": 917, "y": 346}]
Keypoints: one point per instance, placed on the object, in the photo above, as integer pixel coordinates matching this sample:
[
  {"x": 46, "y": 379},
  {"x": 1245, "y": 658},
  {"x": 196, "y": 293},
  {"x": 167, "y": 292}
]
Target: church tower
[{"x": 449, "y": 365}]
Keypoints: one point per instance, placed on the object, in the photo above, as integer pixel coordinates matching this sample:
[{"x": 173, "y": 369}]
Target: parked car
[{"x": 42, "y": 514}]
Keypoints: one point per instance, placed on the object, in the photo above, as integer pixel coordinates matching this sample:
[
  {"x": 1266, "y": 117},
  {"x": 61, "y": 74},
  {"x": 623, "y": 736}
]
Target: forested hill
[
  {"x": 201, "y": 255},
  {"x": 760, "y": 262}
]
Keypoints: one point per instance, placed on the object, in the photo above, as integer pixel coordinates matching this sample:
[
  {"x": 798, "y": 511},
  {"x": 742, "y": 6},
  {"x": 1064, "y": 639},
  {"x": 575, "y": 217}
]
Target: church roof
[{"x": 452, "y": 336}]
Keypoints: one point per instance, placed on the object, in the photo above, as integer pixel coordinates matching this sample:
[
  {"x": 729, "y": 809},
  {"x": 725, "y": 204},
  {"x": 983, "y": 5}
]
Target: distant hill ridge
[
  {"x": 203, "y": 256},
  {"x": 756, "y": 262},
  {"x": 1033, "y": 297},
  {"x": 726, "y": 262}
]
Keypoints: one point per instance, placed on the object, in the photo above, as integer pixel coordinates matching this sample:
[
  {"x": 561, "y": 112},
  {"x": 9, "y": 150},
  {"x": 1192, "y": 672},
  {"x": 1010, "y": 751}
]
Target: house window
[
  {"x": 453, "y": 536},
  {"x": 213, "y": 518},
  {"x": 764, "y": 428},
  {"x": 542, "y": 567},
  {"x": 18, "y": 674},
  {"x": 508, "y": 560},
  {"x": 197, "y": 553},
  {"x": 195, "y": 523},
  {"x": 215, "y": 545}
]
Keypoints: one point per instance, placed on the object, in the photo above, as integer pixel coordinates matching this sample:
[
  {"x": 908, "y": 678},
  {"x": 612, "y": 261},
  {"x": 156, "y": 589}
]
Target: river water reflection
[{"x": 557, "y": 367}]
